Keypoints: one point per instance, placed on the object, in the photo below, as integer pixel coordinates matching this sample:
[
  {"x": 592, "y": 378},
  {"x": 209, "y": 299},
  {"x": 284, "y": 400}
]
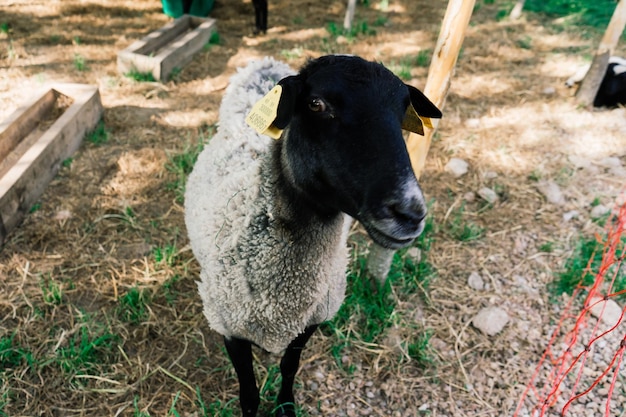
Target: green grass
[
  {"x": 132, "y": 306},
  {"x": 420, "y": 350},
  {"x": 361, "y": 28},
  {"x": 99, "y": 135},
  {"x": 594, "y": 14},
  {"x": 457, "y": 227},
  {"x": 52, "y": 292},
  {"x": 140, "y": 77},
  {"x": 12, "y": 356},
  {"x": 587, "y": 252},
  {"x": 86, "y": 349},
  {"x": 165, "y": 255},
  {"x": 79, "y": 63}
]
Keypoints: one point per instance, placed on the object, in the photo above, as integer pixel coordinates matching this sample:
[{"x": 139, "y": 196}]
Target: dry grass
[{"x": 98, "y": 308}]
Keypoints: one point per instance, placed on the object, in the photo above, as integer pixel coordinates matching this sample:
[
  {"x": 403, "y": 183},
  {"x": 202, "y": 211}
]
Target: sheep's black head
[{"x": 343, "y": 146}]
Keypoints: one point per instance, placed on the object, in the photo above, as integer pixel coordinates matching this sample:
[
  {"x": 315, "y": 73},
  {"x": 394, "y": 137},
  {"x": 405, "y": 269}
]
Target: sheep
[
  {"x": 268, "y": 219},
  {"x": 612, "y": 90}
]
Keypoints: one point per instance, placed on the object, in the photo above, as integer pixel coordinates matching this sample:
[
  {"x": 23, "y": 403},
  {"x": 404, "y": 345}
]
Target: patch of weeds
[
  {"x": 52, "y": 292},
  {"x": 525, "y": 42},
  {"x": 582, "y": 266},
  {"x": 137, "y": 412},
  {"x": 214, "y": 39},
  {"x": 132, "y": 307},
  {"x": 420, "y": 350},
  {"x": 140, "y": 77},
  {"x": 165, "y": 255},
  {"x": 76, "y": 40},
  {"x": 35, "y": 207},
  {"x": 423, "y": 58},
  {"x": 380, "y": 21},
  {"x": 216, "y": 408},
  {"x": 79, "y": 63},
  {"x": 461, "y": 230},
  {"x": 547, "y": 247},
  {"x": 182, "y": 163},
  {"x": 592, "y": 13},
  {"x": 86, "y": 349},
  {"x": 4, "y": 28},
  {"x": 168, "y": 289},
  {"x": 293, "y": 53},
  {"x": 361, "y": 28},
  {"x": 99, "y": 134},
  {"x": 67, "y": 162},
  {"x": 402, "y": 70},
  {"x": 12, "y": 356},
  {"x": 534, "y": 176}
]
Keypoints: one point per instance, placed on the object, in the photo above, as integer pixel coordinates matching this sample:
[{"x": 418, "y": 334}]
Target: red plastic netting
[{"x": 580, "y": 369}]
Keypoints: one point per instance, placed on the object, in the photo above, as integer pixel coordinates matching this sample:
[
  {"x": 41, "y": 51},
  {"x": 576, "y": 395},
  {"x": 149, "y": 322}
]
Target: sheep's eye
[{"x": 317, "y": 105}]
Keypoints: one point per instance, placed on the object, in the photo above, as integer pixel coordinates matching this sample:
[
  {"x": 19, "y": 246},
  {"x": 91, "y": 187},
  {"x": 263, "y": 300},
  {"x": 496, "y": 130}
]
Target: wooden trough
[
  {"x": 168, "y": 48},
  {"x": 34, "y": 142}
]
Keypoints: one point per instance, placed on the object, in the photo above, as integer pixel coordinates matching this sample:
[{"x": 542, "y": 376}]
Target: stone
[
  {"x": 488, "y": 195},
  {"x": 457, "y": 167},
  {"x": 491, "y": 320},
  {"x": 552, "y": 192},
  {"x": 475, "y": 281}
]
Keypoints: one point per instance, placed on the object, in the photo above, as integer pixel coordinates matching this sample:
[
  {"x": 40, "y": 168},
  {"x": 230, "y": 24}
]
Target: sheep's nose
[{"x": 411, "y": 212}]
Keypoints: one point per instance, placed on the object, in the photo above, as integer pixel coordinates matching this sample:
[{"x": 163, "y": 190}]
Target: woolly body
[{"x": 265, "y": 275}]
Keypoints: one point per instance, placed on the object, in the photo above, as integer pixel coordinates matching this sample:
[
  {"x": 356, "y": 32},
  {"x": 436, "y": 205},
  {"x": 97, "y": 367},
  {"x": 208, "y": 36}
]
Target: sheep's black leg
[
  {"x": 288, "y": 369},
  {"x": 260, "y": 15},
  {"x": 240, "y": 352}
]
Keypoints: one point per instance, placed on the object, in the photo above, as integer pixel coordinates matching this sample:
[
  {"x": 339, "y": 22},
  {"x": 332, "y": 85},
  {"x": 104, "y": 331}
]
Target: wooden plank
[
  {"x": 25, "y": 181},
  {"x": 167, "y": 48}
]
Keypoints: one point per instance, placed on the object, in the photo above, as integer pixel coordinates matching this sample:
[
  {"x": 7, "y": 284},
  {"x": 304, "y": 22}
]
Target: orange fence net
[{"x": 581, "y": 368}]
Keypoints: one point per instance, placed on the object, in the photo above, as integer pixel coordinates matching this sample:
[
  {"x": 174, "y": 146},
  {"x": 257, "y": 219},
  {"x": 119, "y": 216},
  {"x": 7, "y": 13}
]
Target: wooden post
[
  {"x": 451, "y": 37},
  {"x": 516, "y": 13},
  {"x": 347, "y": 21},
  {"x": 586, "y": 94}
]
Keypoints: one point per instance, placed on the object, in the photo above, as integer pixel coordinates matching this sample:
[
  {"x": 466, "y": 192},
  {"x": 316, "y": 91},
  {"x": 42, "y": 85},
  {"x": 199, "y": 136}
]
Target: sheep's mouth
[{"x": 388, "y": 237}]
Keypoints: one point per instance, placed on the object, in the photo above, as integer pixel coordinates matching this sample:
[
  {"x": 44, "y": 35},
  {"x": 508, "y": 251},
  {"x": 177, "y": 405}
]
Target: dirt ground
[{"x": 97, "y": 230}]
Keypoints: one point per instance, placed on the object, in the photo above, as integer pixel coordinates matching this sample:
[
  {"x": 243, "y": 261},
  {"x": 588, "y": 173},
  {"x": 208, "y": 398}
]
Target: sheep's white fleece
[{"x": 260, "y": 280}]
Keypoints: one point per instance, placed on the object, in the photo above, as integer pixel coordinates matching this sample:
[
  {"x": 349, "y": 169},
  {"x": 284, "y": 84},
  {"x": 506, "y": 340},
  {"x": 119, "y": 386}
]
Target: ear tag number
[
  {"x": 413, "y": 122},
  {"x": 264, "y": 113}
]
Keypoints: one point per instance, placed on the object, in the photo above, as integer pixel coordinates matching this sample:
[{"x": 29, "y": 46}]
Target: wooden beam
[{"x": 446, "y": 52}]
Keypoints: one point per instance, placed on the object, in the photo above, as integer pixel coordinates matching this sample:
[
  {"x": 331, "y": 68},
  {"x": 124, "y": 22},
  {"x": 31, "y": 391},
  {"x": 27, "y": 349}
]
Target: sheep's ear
[
  {"x": 270, "y": 115},
  {"x": 292, "y": 86},
  {"x": 419, "y": 112}
]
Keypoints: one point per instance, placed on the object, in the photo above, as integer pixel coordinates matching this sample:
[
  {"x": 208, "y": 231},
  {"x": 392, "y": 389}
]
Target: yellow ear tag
[
  {"x": 413, "y": 122},
  {"x": 264, "y": 113}
]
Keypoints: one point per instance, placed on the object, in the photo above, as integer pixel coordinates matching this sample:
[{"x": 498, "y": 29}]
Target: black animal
[{"x": 612, "y": 91}]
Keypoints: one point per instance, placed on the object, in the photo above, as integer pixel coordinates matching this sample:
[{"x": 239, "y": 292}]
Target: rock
[
  {"x": 599, "y": 211},
  {"x": 472, "y": 123},
  {"x": 606, "y": 310},
  {"x": 457, "y": 167},
  {"x": 475, "y": 281},
  {"x": 570, "y": 215},
  {"x": 610, "y": 162},
  {"x": 491, "y": 320},
  {"x": 63, "y": 215},
  {"x": 490, "y": 175},
  {"x": 549, "y": 91},
  {"x": 488, "y": 195},
  {"x": 552, "y": 192},
  {"x": 415, "y": 254},
  {"x": 469, "y": 196},
  {"x": 579, "y": 161}
]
